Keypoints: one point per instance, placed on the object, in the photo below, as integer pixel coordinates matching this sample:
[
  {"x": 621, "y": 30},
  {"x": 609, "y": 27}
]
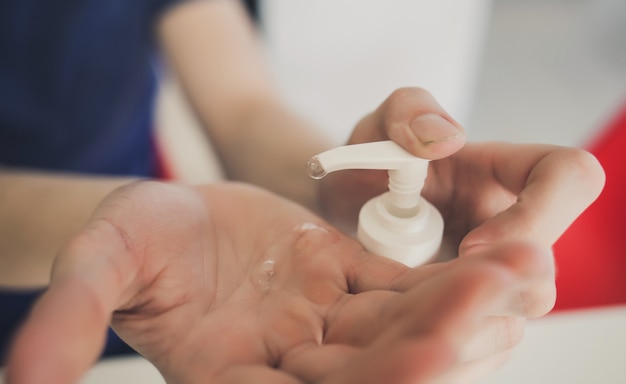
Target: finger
[
  {"x": 244, "y": 374},
  {"x": 533, "y": 267},
  {"x": 66, "y": 329},
  {"x": 473, "y": 371},
  {"x": 535, "y": 294},
  {"x": 455, "y": 306},
  {"x": 454, "y": 303},
  {"x": 359, "y": 319},
  {"x": 554, "y": 185},
  {"x": 494, "y": 336},
  {"x": 447, "y": 309},
  {"x": 312, "y": 363},
  {"x": 412, "y": 118},
  {"x": 403, "y": 362},
  {"x": 423, "y": 304},
  {"x": 372, "y": 280},
  {"x": 367, "y": 272}
]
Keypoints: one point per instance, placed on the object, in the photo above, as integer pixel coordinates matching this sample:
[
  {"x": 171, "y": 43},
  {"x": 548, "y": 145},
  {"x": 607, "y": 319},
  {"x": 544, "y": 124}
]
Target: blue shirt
[
  {"x": 77, "y": 88},
  {"x": 77, "y": 85}
]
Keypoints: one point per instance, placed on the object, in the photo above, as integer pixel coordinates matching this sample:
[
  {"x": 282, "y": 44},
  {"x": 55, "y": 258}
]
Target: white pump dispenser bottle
[{"x": 399, "y": 224}]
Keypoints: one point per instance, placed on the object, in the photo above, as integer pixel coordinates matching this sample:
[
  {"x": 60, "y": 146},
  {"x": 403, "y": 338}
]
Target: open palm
[{"x": 231, "y": 284}]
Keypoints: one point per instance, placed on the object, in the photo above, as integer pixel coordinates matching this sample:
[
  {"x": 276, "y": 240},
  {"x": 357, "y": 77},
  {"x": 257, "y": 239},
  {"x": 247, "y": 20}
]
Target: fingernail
[{"x": 431, "y": 129}]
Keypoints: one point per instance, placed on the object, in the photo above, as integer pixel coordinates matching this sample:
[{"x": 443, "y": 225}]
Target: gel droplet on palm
[
  {"x": 310, "y": 227},
  {"x": 264, "y": 274},
  {"x": 315, "y": 169}
]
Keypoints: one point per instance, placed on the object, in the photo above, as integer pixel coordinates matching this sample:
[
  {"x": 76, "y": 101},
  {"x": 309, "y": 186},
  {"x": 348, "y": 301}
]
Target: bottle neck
[{"x": 405, "y": 188}]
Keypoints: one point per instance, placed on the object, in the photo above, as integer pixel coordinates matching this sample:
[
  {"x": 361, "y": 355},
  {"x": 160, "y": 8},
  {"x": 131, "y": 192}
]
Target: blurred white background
[
  {"x": 337, "y": 60},
  {"x": 515, "y": 70},
  {"x": 554, "y": 70}
]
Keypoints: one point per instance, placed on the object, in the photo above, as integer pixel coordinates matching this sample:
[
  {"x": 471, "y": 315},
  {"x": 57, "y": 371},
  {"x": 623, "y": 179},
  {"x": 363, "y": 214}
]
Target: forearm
[
  {"x": 39, "y": 213},
  {"x": 272, "y": 150},
  {"x": 214, "y": 51}
]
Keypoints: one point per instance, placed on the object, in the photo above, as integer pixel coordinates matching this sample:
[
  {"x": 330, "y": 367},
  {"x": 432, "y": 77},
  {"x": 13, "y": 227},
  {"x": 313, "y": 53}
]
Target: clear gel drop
[
  {"x": 263, "y": 275},
  {"x": 314, "y": 168}
]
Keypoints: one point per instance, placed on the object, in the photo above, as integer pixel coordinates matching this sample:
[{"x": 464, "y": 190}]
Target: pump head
[{"x": 400, "y": 224}]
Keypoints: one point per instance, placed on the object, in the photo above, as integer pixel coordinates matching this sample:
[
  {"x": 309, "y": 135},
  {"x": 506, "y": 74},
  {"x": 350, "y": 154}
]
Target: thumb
[
  {"x": 412, "y": 118},
  {"x": 66, "y": 329}
]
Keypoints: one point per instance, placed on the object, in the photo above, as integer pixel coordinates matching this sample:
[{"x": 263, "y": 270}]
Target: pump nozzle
[
  {"x": 406, "y": 172},
  {"x": 400, "y": 224}
]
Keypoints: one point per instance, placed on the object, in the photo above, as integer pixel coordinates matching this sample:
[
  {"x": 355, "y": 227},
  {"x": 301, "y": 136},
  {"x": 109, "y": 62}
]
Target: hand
[
  {"x": 469, "y": 184},
  {"x": 231, "y": 284},
  {"x": 488, "y": 193}
]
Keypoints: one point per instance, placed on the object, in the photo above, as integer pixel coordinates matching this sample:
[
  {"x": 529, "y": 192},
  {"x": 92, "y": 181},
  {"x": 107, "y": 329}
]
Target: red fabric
[
  {"x": 591, "y": 255},
  {"x": 164, "y": 168}
]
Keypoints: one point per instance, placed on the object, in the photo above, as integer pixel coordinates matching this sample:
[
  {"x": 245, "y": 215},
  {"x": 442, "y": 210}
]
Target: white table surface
[{"x": 577, "y": 347}]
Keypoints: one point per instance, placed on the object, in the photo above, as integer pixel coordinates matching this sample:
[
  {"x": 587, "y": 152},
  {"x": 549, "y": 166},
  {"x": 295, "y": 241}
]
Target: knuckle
[
  {"x": 526, "y": 261},
  {"x": 534, "y": 262}
]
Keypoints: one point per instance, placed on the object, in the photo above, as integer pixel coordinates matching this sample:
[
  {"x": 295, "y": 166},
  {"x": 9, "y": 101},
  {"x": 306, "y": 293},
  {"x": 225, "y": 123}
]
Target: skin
[
  {"x": 180, "y": 274},
  {"x": 31, "y": 204}
]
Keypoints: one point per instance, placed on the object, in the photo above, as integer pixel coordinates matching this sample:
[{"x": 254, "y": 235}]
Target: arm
[
  {"x": 39, "y": 213},
  {"x": 212, "y": 47}
]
